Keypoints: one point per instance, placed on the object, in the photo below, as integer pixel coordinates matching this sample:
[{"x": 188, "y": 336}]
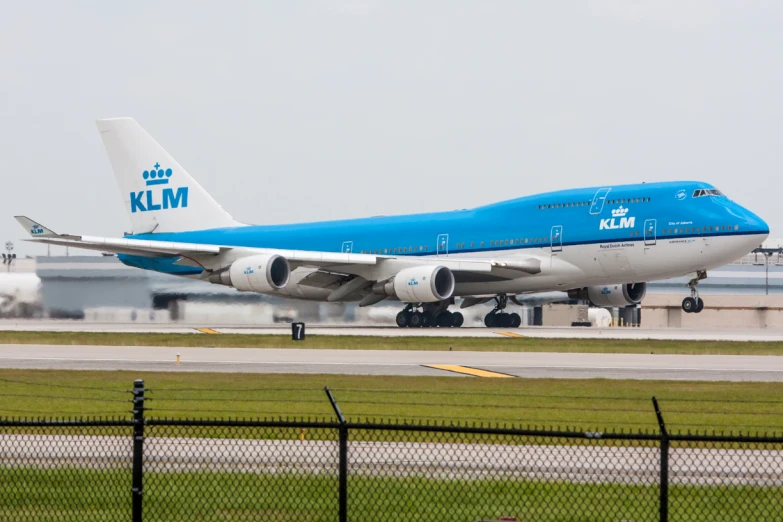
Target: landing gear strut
[
  {"x": 431, "y": 315},
  {"x": 497, "y": 318},
  {"x": 694, "y": 304}
]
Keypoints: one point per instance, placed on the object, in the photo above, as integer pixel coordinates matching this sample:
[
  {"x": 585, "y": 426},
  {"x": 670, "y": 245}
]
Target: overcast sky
[{"x": 299, "y": 111}]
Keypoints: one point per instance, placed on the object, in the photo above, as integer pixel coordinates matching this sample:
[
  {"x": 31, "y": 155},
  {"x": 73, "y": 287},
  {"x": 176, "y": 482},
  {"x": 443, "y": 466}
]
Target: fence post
[
  {"x": 138, "y": 449},
  {"x": 343, "y": 470},
  {"x": 664, "y": 499}
]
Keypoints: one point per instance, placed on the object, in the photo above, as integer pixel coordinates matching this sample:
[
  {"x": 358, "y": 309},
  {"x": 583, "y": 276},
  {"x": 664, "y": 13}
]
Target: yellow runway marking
[
  {"x": 207, "y": 330},
  {"x": 466, "y": 370},
  {"x": 509, "y": 334}
]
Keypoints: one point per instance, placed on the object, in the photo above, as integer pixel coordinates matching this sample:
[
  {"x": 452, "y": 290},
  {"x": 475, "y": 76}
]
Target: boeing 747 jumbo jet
[{"x": 599, "y": 244}]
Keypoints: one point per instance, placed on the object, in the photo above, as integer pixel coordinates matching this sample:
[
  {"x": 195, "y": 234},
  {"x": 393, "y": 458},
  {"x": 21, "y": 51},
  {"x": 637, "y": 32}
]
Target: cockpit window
[{"x": 706, "y": 192}]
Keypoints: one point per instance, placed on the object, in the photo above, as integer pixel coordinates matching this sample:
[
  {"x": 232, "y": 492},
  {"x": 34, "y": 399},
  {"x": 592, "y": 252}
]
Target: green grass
[
  {"x": 576, "y": 403},
  {"x": 63, "y": 494},
  {"x": 355, "y": 342}
]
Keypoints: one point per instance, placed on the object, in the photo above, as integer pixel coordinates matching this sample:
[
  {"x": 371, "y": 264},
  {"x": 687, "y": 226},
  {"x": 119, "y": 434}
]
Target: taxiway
[
  {"x": 673, "y": 334},
  {"x": 393, "y": 362}
]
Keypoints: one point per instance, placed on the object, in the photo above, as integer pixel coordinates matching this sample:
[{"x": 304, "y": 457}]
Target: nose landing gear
[
  {"x": 694, "y": 304},
  {"x": 497, "y": 318}
]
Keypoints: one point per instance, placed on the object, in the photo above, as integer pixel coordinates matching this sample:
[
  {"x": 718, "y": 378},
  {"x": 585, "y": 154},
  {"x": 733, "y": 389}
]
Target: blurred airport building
[{"x": 100, "y": 288}]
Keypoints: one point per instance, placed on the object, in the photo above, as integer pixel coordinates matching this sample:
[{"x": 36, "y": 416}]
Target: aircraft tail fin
[{"x": 159, "y": 195}]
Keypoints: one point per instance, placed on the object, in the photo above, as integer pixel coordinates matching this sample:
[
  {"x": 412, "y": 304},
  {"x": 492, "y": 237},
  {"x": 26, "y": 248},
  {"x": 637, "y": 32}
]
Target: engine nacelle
[
  {"x": 611, "y": 295},
  {"x": 261, "y": 273},
  {"x": 422, "y": 284}
]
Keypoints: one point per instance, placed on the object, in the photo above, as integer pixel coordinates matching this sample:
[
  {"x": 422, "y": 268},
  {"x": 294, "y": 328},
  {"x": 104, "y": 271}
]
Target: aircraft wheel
[
  {"x": 689, "y": 304},
  {"x": 699, "y": 305},
  {"x": 403, "y": 319},
  {"x": 446, "y": 319},
  {"x": 430, "y": 321},
  {"x": 457, "y": 320},
  {"x": 417, "y": 320},
  {"x": 490, "y": 320},
  {"x": 515, "y": 321}
]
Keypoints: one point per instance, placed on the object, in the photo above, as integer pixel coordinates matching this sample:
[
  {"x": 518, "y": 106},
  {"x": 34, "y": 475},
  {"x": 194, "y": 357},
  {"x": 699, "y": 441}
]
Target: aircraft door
[
  {"x": 598, "y": 201},
  {"x": 650, "y": 232},
  {"x": 556, "y": 238},
  {"x": 443, "y": 245},
  {"x": 347, "y": 247}
]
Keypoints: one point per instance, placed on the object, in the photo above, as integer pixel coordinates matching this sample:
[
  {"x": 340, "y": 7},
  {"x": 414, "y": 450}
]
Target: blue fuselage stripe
[{"x": 665, "y": 211}]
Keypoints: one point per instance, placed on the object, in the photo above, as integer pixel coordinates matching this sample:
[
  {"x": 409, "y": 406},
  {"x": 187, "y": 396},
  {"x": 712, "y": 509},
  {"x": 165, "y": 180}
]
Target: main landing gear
[
  {"x": 497, "y": 318},
  {"x": 694, "y": 304},
  {"x": 430, "y": 316}
]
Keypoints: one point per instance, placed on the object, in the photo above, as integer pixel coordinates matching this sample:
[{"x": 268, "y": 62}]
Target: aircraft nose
[
  {"x": 751, "y": 222},
  {"x": 756, "y": 223}
]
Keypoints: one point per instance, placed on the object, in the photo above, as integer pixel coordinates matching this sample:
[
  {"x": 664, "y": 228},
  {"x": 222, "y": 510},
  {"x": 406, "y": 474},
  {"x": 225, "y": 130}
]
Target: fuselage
[{"x": 590, "y": 236}]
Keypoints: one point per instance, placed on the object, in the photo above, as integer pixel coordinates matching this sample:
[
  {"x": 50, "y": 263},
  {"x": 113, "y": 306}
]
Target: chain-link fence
[{"x": 158, "y": 469}]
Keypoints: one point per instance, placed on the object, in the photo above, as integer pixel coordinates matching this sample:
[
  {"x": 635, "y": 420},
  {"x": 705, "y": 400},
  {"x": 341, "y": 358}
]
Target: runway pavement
[
  {"x": 712, "y": 334},
  {"x": 392, "y": 362}
]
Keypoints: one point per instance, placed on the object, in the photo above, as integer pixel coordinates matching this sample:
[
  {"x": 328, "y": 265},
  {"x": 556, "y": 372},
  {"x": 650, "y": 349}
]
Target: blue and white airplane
[{"x": 601, "y": 244}]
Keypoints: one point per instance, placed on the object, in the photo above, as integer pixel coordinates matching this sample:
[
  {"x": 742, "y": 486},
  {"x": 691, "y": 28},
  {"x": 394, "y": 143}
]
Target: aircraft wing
[
  {"x": 201, "y": 255},
  {"x": 41, "y": 234}
]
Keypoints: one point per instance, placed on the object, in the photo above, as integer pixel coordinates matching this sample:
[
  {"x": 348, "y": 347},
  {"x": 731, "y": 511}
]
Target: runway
[
  {"x": 392, "y": 362},
  {"x": 684, "y": 334}
]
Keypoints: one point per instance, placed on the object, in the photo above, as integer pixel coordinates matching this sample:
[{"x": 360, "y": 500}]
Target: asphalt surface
[
  {"x": 711, "y": 334},
  {"x": 592, "y": 462},
  {"x": 392, "y": 362}
]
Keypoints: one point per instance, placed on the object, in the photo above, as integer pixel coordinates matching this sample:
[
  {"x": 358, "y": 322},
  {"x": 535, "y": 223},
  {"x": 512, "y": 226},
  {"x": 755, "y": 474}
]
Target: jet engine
[
  {"x": 421, "y": 284},
  {"x": 611, "y": 295},
  {"x": 261, "y": 273}
]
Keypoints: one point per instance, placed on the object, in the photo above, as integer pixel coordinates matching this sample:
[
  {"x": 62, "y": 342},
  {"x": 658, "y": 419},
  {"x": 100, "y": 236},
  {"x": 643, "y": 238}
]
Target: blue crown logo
[
  {"x": 156, "y": 175},
  {"x": 413, "y": 282},
  {"x": 605, "y": 291},
  {"x": 249, "y": 270},
  {"x": 36, "y": 229}
]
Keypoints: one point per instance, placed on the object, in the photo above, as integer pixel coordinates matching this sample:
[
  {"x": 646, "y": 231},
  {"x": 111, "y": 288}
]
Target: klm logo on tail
[
  {"x": 151, "y": 199},
  {"x": 612, "y": 223},
  {"x": 36, "y": 229}
]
